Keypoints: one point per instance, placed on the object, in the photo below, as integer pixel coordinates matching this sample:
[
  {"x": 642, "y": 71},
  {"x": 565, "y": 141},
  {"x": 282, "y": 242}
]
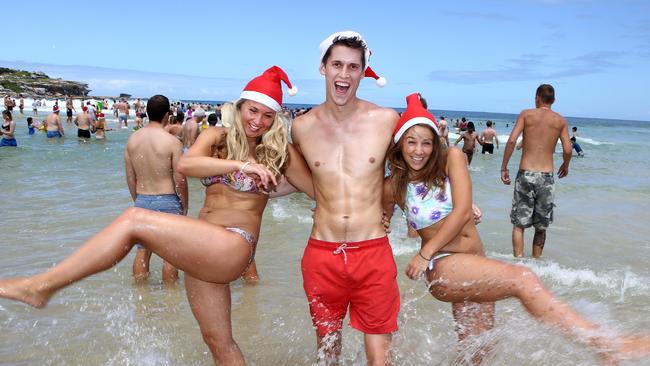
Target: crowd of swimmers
[{"x": 336, "y": 157}]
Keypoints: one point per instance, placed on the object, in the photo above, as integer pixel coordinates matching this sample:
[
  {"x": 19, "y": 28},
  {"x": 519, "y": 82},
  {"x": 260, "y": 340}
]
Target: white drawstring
[{"x": 341, "y": 249}]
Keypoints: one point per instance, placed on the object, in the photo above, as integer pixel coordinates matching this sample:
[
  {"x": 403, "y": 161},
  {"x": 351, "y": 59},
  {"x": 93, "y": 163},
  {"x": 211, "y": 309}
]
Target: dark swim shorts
[{"x": 532, "y": 202}]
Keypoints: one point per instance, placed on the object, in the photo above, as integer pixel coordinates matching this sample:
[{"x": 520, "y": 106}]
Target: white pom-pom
[
  {"x": 381, "y": 82},
  {"x": 293, "y": 91}
]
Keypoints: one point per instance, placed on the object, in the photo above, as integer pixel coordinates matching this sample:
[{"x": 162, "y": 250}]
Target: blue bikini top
[{"x": 426, "y": 207}]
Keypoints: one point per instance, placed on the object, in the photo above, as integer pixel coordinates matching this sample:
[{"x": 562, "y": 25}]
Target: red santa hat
[
  {"x": 55, "y": 108},
  {"x": 267, "y": 89},
  {"x": 415, "y": 114},
  {"x": 329, "y": 41},
  {"x": 380, "y": 80}
]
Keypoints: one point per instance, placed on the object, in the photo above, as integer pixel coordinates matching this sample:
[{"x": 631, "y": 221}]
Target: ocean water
[{"x": 57, "y": 193}]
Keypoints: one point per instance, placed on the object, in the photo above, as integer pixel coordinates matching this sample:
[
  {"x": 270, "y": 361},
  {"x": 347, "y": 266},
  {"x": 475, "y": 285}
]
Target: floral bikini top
[
  {"x": 241, "y": 182},
  {"x": 424, "y": 208}
]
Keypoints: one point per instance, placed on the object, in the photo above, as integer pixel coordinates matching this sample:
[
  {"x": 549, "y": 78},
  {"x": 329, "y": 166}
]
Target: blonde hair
[{"x": 271, "y": 149}]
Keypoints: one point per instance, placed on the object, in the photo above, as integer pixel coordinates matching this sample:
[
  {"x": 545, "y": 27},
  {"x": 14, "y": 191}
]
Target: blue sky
[{"x": 483, "y": 55}]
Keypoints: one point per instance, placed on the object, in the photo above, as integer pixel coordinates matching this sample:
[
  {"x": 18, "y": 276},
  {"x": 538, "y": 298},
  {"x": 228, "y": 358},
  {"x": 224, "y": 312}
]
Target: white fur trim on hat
[
  {"x": 329, "y": 41},
  {"x": 381, "y": 82},
  {"x": 261, "y": 98},
  {"x": 412, "y": 122},
  {"x": 293, "y": 90}
]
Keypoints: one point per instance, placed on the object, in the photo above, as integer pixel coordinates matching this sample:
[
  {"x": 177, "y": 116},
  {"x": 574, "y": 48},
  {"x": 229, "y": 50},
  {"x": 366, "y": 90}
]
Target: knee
[
  {"x": 130, "y": 215},
  {"x": 528, "y": 283},
  {"x": 219, "y": 344}
]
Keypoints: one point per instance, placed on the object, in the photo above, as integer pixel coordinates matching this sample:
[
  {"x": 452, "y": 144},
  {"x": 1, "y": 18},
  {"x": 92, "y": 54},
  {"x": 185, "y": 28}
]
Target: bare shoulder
[
  {"x": 303, "y": 123},
  {"x": 455, "y": 155},
  {"x": 560, "y": 118},
  {"x": 381, "y": 114},
  {"x": 527, "y": 112},
  {"x": 292, "y": 150}
]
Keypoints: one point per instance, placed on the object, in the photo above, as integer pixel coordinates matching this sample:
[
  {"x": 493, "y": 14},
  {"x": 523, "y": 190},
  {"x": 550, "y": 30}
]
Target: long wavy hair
[
  {"x": 432, "y": 174},
  {"x": 271, "y": 148}
]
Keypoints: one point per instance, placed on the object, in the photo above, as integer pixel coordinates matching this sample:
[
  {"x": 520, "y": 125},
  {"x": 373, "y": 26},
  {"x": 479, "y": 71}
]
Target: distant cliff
[{"x": 38, "y": 84}]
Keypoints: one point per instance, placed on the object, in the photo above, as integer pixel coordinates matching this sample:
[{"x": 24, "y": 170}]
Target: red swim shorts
[{"x": 362, "y": 275}]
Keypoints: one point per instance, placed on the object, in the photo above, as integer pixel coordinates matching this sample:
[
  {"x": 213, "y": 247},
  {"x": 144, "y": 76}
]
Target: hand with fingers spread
[{"x": 385, "y": 221}]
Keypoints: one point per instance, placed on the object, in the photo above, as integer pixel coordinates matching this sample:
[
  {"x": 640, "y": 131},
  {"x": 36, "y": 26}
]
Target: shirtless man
[
  {"x": 150, "y": 158},
  {"x": 470, "y": 138},
  {"x": 9, "y": 103},
  {"x": 35, "y": 105},
  {"x": 176, "y": 125},
  {"x": 532, "y": 204},
  {"x": 83, "y": 123},
  {"x": 443, "y": 126},
  {"x": 191, "y": 128},
  {"x": 348, "y": 260},
  {"x": 489, "y": 138},
  {"x": 52, "y": 122},
  {"x": 123, "y": 113},
  {"x": 68, "y": 109},
  {"x": 21, "y": 101}
]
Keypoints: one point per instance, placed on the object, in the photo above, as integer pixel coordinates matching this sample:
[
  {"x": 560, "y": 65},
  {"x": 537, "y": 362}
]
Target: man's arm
[
  {"x": 510, "y": 147},
  {"x": 478, "y": 139},
  {"x": 298, "y": 173},
  {"x": 180, "y": 182},
  {"x": 131, "y": 178},
  {"x": 282, "y": 189},
  {"x": 387, "y": 201},
  {"x": 459, "y": 138},
  {"x": 496, "y": 139},
  {"x": 60, "y": 126},
  {"x": 567, "y": 148}
]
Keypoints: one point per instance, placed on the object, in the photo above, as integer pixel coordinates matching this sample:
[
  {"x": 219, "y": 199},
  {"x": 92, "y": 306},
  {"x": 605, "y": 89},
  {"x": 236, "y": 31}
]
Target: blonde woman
[{"x": 251, "y": 156}]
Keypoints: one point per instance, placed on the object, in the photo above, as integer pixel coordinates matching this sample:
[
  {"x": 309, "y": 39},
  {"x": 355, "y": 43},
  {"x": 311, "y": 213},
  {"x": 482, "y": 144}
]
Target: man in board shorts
[
  {"x": 348, "y": 261},
  {"x": 151, "y": 156},
  {"x": 532, "y": 203}
]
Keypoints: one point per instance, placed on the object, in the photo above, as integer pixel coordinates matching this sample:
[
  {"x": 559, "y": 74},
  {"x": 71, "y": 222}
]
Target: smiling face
[
  {"x": 256, "y": 118},
  {"x": 343, "y": 72},
  {"x": 417, "y": 145}
]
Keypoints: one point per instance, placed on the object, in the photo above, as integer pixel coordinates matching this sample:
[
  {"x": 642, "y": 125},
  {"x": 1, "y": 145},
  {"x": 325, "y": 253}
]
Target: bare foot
[
  {"x": 634, "y": 348},
  {"x": 628, "y": 348},
  {"x": 23, "y": 289}
]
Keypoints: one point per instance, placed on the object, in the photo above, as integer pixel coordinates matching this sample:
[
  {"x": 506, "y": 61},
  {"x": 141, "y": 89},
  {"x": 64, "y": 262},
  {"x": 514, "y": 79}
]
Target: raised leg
[
  {"x": 210, "y": 304},
  {"x": 203, "y": 250},
  {"x": 465, "y": 277}
]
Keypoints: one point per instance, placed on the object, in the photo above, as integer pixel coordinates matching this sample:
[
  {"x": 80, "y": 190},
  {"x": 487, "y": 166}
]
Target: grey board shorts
[
  {"x": 532, "y": 202},
  {"x": 167, "y": 203}
]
